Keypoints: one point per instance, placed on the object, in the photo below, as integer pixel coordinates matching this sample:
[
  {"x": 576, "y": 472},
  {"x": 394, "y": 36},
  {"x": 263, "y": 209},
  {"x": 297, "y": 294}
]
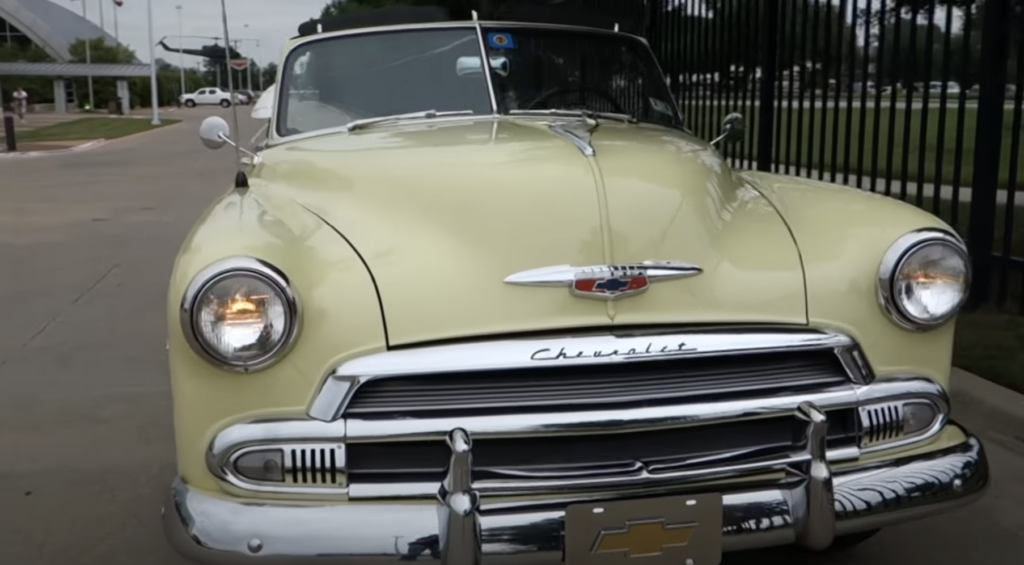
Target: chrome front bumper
[{"x": 809, "y": 510}]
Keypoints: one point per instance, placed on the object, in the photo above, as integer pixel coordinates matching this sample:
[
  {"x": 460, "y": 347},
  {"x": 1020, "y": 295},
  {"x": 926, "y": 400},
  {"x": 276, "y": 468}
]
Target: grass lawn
[
  {"x": 800, "y": 145},
  {"x": 90, "y": 128},
  {"x": 990, "y": 344}
]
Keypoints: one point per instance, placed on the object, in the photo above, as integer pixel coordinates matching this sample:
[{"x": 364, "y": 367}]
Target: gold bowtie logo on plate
[{"x": 642, "y": 539}]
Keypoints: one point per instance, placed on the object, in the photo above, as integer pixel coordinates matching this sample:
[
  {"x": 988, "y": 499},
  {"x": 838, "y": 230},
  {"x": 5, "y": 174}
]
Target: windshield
[
  {"x": 337, "y": 80},
  {"x": 548, "y": 69},
  {"x": 332, "y": 82}
]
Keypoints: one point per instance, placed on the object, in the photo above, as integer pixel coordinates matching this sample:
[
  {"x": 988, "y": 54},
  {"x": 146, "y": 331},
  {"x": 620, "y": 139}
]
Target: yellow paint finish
[
  {"x": 443, "y": 213},
  {"x": 341, "y": 318},
  {"x": 671, "y": 197},
  {"x": 843, "y": 234}
]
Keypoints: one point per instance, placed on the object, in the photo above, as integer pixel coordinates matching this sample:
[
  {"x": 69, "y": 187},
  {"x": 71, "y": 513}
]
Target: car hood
[{"x": 443, "y": 213}]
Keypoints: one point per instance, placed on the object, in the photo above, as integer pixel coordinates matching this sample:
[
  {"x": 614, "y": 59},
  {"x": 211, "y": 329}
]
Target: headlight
[
  {"x": 240, "y": 313},
  {"x": 924, "y": 279}
]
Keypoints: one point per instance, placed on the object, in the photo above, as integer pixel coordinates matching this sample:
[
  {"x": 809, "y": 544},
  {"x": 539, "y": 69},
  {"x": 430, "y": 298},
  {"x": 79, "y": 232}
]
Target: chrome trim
[
  {"x": 249, "y": 266},
  {"x": 485, "y": 64},
  {"x": 298, "y": 431},
  {"x": 816, "y": 526},
  {"x": 582, "y": 143},
  {"x": 942, "y": 410},
  {"x": 460, "y": 542},
  {"x": 225, "y": 469},
  {"x": 329, "y": 403},
  {"x": 893, "y": 261},
  {"x": 213, "y": 529},
  {"x": 562, "y": 275}
]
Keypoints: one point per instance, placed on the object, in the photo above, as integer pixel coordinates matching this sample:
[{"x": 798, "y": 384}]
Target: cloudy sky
[{"x": 271, "y": 22}]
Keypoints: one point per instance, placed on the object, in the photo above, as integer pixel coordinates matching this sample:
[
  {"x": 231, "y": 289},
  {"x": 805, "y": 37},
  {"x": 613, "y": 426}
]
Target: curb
[
  {"x": 985, "y": 403},
  {"x": 78, "y": 148}
]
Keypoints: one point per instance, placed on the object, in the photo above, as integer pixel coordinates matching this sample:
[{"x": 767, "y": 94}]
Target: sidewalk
[
  {"x": 42, "y": 119},
  {"x": 927, "y": 190},
  {"x": 1003, "y": 408}
]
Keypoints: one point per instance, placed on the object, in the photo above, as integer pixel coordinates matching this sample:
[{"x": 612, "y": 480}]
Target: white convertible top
[{"x": 264, "y": 107}]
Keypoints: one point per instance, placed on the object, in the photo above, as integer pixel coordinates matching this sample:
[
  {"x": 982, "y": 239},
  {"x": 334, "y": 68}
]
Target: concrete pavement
[{"x": 87, "y": 241}]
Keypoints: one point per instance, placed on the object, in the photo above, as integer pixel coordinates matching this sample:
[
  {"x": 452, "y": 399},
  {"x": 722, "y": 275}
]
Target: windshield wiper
[
  {"x": 576, "y": 114},
  {"x": 367, "y": 122}
]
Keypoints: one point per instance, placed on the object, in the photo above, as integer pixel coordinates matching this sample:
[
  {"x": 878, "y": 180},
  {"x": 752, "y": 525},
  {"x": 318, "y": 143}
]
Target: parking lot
[{"x": 87, "y": 242}]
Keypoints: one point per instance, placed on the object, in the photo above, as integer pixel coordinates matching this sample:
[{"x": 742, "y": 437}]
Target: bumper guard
[{"x": 809, "y": 509}]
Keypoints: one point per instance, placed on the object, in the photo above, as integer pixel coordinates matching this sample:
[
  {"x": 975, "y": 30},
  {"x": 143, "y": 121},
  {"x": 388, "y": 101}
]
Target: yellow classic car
[{"x": 480, "y": 296}]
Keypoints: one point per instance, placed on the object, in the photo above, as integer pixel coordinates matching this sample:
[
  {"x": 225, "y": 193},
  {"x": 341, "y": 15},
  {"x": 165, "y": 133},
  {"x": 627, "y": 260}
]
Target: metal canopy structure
[
  {"x": 70, "y": 70},
  {"x": 51, "y": 26}
]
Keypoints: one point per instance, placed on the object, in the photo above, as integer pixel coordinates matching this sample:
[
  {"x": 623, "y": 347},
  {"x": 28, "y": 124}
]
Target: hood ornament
[{"x": 606, "y": 282}]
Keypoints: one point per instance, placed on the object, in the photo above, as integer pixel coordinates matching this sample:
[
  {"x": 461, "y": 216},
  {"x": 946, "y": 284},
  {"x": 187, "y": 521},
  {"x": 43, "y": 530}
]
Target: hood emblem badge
[{"x": 606, "y": 282}]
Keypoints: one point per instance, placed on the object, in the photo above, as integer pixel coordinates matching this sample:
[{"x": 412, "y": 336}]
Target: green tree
[
  {"x": 39, "y": 89},
  {"x": 104, "y": 89},
  {"x": 269, "y": 74}
]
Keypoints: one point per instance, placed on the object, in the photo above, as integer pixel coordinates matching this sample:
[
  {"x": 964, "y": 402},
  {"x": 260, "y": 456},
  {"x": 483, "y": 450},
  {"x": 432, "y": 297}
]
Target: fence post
[
  {"x": 9, "y": 133},
  {"x": 766, "y": 101},
  {"x": 988, "y": 140}
]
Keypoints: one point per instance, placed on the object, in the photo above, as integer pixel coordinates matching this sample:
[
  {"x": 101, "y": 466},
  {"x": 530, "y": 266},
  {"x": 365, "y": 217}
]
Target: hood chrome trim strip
[{"x": 582, "y": 143}]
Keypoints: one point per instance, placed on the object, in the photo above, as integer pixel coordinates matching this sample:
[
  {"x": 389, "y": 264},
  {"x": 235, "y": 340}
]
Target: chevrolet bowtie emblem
[
  {"x": 642, "y": 539},
  {"x": 606, "y": 282}
]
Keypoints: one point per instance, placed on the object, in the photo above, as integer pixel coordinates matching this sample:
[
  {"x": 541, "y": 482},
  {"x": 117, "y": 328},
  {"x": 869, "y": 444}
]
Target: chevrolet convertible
[{"x": 480, "y": 296}]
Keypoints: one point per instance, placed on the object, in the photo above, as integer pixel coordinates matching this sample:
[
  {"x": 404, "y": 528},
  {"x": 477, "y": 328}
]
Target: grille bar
[
  {"x": 555, "y": 455},
  {"x": 521, "y": 390}
]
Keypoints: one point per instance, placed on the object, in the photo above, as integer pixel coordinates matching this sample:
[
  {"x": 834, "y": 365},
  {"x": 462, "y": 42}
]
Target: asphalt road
[{"x": 86, "y": 446}]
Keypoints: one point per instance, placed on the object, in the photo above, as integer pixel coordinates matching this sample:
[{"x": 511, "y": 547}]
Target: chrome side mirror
[
  {"x": 733, "y": 129},
  {"x": 215, "y": 132}
]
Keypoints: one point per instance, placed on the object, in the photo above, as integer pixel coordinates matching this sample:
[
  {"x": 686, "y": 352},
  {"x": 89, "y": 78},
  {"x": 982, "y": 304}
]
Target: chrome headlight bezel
[
  {"x": 252, "y": 267},
  {"x": 893, "y": 261}
]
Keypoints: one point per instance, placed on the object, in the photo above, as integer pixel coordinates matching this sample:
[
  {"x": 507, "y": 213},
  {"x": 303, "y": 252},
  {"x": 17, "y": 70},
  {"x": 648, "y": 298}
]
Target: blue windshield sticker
[{"x": 500, "y": 41}]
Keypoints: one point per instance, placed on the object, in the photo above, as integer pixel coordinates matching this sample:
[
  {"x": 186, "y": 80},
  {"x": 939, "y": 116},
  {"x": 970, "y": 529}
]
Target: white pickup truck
[{"x": 208, "y": 96}]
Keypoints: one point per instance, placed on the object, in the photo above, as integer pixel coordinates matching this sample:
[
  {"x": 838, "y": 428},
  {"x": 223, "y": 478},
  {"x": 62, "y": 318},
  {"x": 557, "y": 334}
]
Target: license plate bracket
[{"x": 673, "y": 530}]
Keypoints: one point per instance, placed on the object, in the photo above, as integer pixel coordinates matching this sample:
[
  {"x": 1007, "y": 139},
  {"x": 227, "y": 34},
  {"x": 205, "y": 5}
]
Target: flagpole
[
  {"x": 181, "y": 56},
  {"x": 154, "y": 99},
  {"x": 117, "y": 35},
  {"x": 88, "y": 58},
  {"x": 231, "y": 87},
  {"x": 103, "y": 27}
]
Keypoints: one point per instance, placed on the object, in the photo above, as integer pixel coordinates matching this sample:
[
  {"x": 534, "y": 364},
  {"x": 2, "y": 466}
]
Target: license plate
[{"x": 677, "y": 530}]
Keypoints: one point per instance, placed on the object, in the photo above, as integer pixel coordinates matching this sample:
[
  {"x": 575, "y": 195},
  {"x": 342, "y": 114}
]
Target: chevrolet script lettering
[
  {"x": 606, "y": 282},
  {"x": 652, "y": 350}
]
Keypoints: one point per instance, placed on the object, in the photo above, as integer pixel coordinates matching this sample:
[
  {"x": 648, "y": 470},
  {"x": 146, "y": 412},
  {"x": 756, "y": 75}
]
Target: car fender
[
  {"x": 340, "y": 318},
  {"x": 842, "y": 234}
]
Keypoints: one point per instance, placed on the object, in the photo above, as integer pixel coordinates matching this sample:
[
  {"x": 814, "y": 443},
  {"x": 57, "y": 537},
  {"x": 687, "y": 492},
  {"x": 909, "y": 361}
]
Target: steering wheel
[{"x": 601, "y": 93}]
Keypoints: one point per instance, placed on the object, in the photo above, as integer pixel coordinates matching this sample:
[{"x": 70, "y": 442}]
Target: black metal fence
[{"x": 920, "y": 100}]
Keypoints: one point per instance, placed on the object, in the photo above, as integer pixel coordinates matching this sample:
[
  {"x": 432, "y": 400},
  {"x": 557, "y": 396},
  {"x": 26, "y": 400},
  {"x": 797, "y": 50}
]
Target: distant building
[
  {"x": 50, "y": 26},
  {"x": 54, "y": 28}
]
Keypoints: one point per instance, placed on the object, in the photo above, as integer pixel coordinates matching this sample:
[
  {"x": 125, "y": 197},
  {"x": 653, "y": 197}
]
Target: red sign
[{"x": 239, "y": 64}]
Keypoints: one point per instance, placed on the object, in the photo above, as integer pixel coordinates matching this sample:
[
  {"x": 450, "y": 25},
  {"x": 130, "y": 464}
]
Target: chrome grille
[
  {"x": 594, "y": 454},
  {"x": 881, "y": 423},
  {"x": 643, "y": 382},
  {"x": 315, "y": 465}
]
